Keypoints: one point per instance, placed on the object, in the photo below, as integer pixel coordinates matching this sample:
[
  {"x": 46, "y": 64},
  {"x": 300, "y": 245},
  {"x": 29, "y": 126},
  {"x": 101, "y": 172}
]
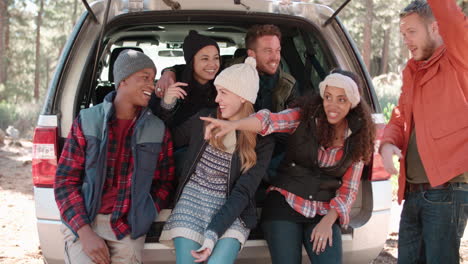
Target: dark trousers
[
  {"x": 432, "y": 225},
  {"x": 285, "y": 240}
]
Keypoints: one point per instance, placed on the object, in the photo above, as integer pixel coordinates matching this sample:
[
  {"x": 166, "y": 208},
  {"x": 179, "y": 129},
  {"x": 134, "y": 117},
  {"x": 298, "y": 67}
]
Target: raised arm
[
  {"x": 453, "y": 27},
  {"x": 219, "y": 127},
  {"x": 263, "y": 122}
]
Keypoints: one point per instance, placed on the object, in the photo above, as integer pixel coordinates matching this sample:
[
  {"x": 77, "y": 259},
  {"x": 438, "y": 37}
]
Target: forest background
[{"x": 33, "y": 33}]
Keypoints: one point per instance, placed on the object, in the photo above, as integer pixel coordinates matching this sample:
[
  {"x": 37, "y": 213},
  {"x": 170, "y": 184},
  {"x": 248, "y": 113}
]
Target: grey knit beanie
[
  {"x": 241, "y": 79},
  {"x": 128, "y": 62}
]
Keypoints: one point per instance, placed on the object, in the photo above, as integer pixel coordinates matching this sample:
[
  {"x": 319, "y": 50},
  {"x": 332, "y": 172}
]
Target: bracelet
[{"x": 168, "y": 69}]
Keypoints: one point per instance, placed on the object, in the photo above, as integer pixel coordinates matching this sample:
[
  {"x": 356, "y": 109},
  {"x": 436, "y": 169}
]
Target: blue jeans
[
  {"x": 225, "y": 251},
  {"x": 285, "y": 240},
  {"x": 432, "y": 224}
]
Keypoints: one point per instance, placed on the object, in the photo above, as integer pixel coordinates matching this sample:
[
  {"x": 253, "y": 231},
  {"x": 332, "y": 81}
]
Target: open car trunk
[
  {"x": 309, "y": 51},
  {"x": 160, "y": 35}
]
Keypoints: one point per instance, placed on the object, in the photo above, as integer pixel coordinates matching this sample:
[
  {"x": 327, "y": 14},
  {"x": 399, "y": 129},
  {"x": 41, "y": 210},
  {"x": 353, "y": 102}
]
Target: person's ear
[
  {"x": 435, "y": 27},
  {"x": 242, "y": 100},
  {"x": 251, "y": 53}
]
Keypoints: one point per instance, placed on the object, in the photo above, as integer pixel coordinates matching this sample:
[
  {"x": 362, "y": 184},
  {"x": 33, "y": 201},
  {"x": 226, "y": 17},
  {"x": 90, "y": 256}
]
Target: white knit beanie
[
  {"x": 241, "y": 79},
  {"x": 342, "y": 81}
]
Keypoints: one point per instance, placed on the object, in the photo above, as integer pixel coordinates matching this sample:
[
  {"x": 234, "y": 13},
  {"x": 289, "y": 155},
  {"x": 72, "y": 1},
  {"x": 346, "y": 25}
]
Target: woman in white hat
[
  {"x": 215, "y": 207},
  {"x": 331, "y": 139}
]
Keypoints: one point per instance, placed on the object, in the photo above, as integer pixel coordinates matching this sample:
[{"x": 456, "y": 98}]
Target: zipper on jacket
[
  {"x": 189, "y": 172},
  {"x": 134, "y": 151}
]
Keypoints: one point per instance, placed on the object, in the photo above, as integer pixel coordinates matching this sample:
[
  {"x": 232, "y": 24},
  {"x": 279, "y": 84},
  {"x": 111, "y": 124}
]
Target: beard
[
  {"x": 428, "y": 50},
  {"x": 429, "y": 47}
]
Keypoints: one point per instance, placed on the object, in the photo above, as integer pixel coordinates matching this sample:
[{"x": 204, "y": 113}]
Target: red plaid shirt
[
  {"x": 70, "y": 172},
  {"x": 287, "y": 121}
]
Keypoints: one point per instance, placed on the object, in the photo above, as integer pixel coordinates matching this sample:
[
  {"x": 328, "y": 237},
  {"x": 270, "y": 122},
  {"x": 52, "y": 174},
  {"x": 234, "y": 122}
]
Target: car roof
[{"x": 318, "y": 13}]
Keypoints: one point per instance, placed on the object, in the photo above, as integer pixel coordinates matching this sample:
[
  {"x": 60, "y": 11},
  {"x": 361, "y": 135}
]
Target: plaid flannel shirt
[
  {"x": 287, "y": 121},
  {"x": 71, "y": 168}
]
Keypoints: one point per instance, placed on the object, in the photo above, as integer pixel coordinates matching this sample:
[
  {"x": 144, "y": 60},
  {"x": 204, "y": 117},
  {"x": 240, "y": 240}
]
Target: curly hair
[
  {"x": 312, "y": 105},
  {"x": 257, "y": 31}
]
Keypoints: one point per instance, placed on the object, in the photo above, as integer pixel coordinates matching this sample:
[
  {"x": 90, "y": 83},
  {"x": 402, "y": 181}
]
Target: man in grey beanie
[{"x": 107, "y": 198}]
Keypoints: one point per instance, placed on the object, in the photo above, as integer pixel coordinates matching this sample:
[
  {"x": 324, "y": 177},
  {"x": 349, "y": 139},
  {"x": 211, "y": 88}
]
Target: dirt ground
[{"x": 18, "y": 240}]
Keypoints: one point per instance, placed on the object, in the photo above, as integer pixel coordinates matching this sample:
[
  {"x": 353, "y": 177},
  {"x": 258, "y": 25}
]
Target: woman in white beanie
[
  {"x": 331, "y": 139},
  {"x": 215, "y": 206}
]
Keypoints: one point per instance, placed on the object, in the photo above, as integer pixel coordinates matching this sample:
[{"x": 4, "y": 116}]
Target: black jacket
[
  {"x": 299, "y": 172},
  {"x": 198, "y": 97},
  {"x": 241, "y": 186}
]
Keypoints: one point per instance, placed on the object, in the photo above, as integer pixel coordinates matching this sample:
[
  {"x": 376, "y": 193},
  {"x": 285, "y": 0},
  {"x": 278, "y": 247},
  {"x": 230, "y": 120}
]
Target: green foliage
[
  {"x": 57, "y": 24},
  {"x": 23, "y": 117},
  {"x": 388, "y": 88},
  {"x": 7, "y": 115},
  {"x": 16, "y": 94},
  {"x": 385, "y": 17},
  {"x": 387, "y": 111}
]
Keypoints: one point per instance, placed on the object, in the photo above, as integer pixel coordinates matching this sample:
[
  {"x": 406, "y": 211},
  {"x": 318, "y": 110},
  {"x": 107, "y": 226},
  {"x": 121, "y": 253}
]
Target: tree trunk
[
  {"x": 367, "y": 36},
  {"x": 38, "y": 49},
  {"x": 7, "y": 41},
  {"x": 4, "y": 40},
  {"x": 385, "y": 50},
  {"x": 47, "y": 72}
]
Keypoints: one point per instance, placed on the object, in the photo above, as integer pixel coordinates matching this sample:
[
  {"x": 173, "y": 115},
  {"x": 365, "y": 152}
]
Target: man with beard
[
  {"x": 263, "y": 42},
  {"x": 428, "y": 131},
  {"x": 277, "y": 88}
]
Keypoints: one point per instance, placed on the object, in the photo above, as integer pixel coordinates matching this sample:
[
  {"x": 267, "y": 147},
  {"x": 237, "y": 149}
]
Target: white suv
[{"x": 314, "y": 41}]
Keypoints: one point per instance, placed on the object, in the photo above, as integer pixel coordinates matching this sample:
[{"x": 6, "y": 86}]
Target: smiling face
[
  {"x": 335, "y": 104},
  {"x": 420, "y": 37},
  {"x": 137, "y": 88},
  {"x": 206, "y": 64},
  {"x": 267, "y": 53},
  {"x": 229, "y": 103}
]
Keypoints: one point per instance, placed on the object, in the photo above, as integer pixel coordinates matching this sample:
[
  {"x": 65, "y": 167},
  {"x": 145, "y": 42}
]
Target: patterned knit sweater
[{"x": 202, "y": 197}]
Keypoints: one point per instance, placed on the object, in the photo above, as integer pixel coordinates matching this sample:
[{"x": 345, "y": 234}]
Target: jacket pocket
[
  {"x": 148, "y": 156},
  {"x": 448, "y": 124},
  {"x": 144, "y": 215}
]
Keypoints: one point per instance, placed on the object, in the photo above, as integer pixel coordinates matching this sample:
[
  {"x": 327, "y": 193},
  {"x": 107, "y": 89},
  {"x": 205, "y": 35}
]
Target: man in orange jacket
[{"x": 428, "y": 131}]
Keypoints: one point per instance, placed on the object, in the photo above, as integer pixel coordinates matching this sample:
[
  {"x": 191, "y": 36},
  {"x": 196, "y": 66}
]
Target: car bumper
[{"x": 360, "y": 245}]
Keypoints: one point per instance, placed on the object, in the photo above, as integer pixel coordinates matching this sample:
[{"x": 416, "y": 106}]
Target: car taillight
[
  {"x": 378, "y": 171},
  {"x": 44, "y": 156}
]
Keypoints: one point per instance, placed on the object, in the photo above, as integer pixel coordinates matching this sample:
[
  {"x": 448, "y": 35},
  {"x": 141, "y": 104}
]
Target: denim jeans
[
  {"x": 285, "y": 240},
  {"x": 432, "y": 224},
  {"x": 224, "y": 252}
]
